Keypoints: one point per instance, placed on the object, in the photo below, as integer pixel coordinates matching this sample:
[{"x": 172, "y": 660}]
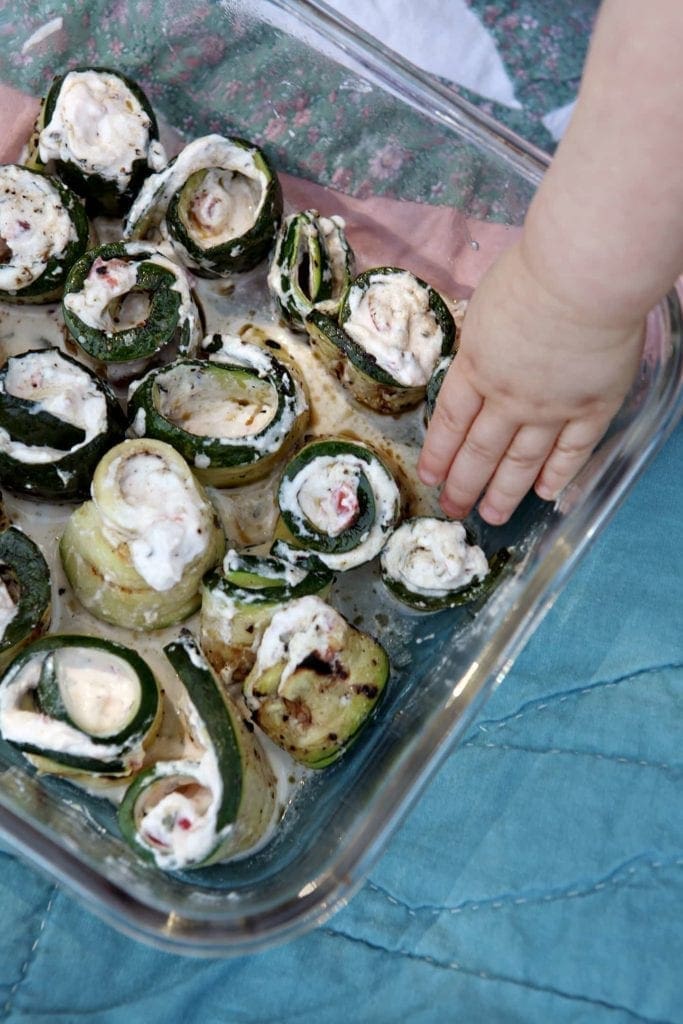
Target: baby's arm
[{"x": 552, "y": 337}]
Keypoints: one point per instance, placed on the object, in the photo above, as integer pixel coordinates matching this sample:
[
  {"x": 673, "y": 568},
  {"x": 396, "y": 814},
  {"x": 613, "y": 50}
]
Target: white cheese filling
[
  {"x": 285, "y": 573},
  {"x": 158, "y": 513},
  {"x": 57, "y": 387},
  {"x": 304, "y": 627},
  {"x": 100, "y": 691},
  {"x": 99, "y": 125},
  {"x": 225, "y": 206},
  {"x": 18, "y": 724},
  {"x": 345, "y": 468},
  {"x": 330, "y": 501},
  {"x": 34, "y": 226},
  {"x": 432, "y": 557},
  {"x": 8, "y": 609},
  {"x": 392, "y": 321}
]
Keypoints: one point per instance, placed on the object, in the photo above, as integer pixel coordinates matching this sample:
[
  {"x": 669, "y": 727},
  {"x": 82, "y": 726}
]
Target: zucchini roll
[
  {"x": 57, "y": 419},
  {"x": 219, "y": 203},
  {"x": 135, "y": 555},
  {"x": 25, "y": 593},
  {"x": 391, "y": 331},
  {"x": 239, "y": 602},
  {"x": 197, "y": 810},
  {"x": 311, "y": 267},
  {"x": 232, "y": 417},
  {"x": 80, "y": 704},
  {"x": 126, "y": 304},
  {"x": 100, "y": 130},
  {"x": 43, "y": 231},
  {"x": 338, "y": 504},
  {"x": 315, "y": 681},
  {"x": 431, "y": 563}
]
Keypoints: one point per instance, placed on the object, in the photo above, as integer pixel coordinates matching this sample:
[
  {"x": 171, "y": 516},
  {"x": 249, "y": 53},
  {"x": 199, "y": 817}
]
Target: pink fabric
[{"x": 434, "y": 242}]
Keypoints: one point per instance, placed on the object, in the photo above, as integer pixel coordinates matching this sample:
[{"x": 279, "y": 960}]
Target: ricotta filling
[
  {"x": 384, "y": 490},
  {"x": 100, "y": 691},
  {"x": 99, "y": 125},
  {"x": 57, "y": 387},
  {"x": 432, "y": 557},
  {"x": 392, "y": 321},
  {"x": 34, "y": 227},
  {"x": 306, "y": 626},
  {"x": 202, "y": 403},
  {"x": 8, "y": 609},
  {"x": 159, "y": 514},
  {"x": 225, "y": 206},
  {"x": 115, "y": 278},
  {"x": 21, "y": 725},
  {"x": 330, "y": 502}
]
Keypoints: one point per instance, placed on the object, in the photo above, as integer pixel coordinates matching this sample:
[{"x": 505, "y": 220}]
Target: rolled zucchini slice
[
  {"x": 98, "y": 127},
  {"x": 315, "y": 681},
  {"x": 239, "y": 601},
  {"x": 219, "y": 203},
  {"x": 311, "y": 267},
  {"x": 191, "y": 812},
  {"x": 57, "y": 419},
  {"x": 80, "y": 704},
  {"x": 135, "y": 555},
  {"x": 338, "y": 505},
  {"x": 392, "y": 330},
  {"x": 126, "y": 304},
  {"x": 43, "y": 231},
  {"x": 232, "y": 417},
  {"x": 25, "y": 593},
  {"x": 430, "y": 564}
]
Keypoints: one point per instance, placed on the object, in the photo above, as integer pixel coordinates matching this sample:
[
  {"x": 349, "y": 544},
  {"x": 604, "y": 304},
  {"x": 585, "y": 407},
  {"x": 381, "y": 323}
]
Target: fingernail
[
  {"x": 492, "y": 515},
  {"x": 428, "y": 477},
  {"x": 545, "y": 493}
]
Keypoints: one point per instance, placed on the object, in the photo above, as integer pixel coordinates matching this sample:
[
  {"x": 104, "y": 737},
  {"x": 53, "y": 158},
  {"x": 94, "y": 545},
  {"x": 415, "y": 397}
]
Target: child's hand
[{"x": 529, "y": 395}]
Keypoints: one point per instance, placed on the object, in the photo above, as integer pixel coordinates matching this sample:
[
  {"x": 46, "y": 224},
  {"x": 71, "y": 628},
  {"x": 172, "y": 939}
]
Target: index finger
[{"x": 456, "y": 409}]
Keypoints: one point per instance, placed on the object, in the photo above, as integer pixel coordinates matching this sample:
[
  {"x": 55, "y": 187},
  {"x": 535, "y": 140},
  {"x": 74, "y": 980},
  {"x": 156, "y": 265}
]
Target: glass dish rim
[{"x": 543, "y": 578}]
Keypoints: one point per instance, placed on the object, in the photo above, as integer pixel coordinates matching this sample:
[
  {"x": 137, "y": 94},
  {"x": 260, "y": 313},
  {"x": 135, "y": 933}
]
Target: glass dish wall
[{"x": 331, "y": 108}]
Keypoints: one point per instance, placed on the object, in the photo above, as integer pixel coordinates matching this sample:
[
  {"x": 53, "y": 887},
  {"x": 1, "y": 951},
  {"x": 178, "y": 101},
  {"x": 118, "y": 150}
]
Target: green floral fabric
[{"x": 207, "y": 69}]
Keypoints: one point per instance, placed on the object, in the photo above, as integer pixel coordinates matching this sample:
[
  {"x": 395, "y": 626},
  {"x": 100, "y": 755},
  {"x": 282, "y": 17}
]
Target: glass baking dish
[{"x": 332, "y": 107}]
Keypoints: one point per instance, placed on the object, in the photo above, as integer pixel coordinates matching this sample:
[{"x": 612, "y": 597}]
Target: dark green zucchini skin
[
  {"x": 221, "y": 454},
  {"x": 30, "y": 425},
  {"x": 26, "y": 574},
  {"x": 254, "y": 581},
  {"x": 196, "y": 676},
  {"x": 246, "y": 802},
  {"x": 102, "y": 195},
  {"x": 144, "y": 720},
  {"x": 350, "y": 538},
  {"x": 241, "y": 253},
  {"x": 475, "y": 592},
  {"x": 301, "y": 251},
  {"x": 359, "y": 370},
  {"x": 49, "y": 285},
  {"x": 161, "y": 327},
  {"x": 299, "y": 541},
  {"x": 67, "y": 478}
]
